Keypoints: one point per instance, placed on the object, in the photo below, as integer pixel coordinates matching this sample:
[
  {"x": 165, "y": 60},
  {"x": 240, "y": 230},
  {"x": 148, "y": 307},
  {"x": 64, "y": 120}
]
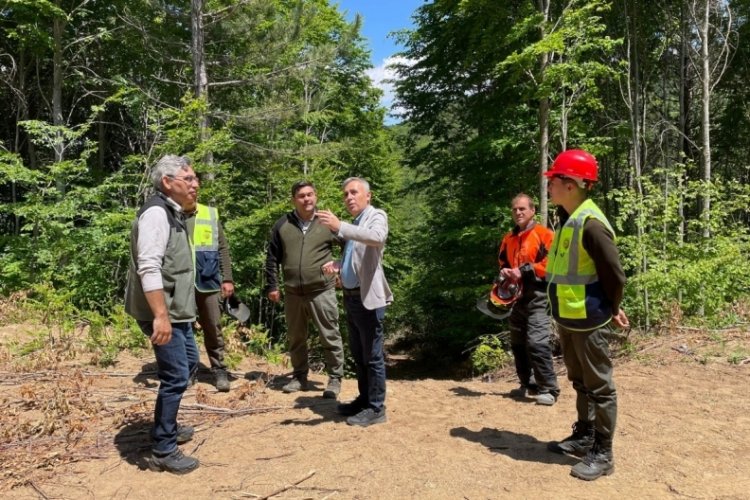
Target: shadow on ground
[
  {"x": 512, "y": 444},
  {"x": 324, "y": 408},
  {"x": 470, "y": 393},
  {"x": 133, "y": 442},
  {"x": 417, "y": 365},
  {"x": 147, "y": 376}
]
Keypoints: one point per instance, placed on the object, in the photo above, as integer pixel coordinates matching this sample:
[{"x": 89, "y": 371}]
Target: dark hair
[{"x": 299, "y": 185}]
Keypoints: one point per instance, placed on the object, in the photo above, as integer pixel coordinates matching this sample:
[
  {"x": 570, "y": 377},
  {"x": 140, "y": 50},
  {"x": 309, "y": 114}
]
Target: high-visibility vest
[
  {"x": 206, "y": 249},
  {"x": 576, "y": 296}
]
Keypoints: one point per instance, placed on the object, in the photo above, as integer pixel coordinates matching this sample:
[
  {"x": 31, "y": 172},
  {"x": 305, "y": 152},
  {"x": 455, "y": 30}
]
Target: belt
[{"x": 350, "y": 291}]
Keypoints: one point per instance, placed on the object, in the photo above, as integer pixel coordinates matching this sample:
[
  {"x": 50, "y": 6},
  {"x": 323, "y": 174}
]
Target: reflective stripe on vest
[
  {"x": 206, "y": 249},
  {"x": 576, "y": 297}
]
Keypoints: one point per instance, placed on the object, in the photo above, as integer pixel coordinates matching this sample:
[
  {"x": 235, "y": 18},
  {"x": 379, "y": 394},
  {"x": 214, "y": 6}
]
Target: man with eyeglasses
[
  {"x": 586, "y": 283},
  {"x": 213, "y": 280},
  {"x": 160, "y": 295}
]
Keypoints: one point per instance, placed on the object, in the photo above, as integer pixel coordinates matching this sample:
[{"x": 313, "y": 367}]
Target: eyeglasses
[{"x": 187, "y": 179}]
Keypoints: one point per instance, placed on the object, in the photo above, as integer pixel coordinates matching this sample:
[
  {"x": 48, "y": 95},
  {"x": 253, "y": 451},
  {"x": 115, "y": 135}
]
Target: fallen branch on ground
[
  {"x": 281, "y": 490},
  {"x": 200, "y": 408}
]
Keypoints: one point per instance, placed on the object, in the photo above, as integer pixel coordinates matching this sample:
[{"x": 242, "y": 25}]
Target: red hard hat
[
  {"x": 505, "y": 293},
  {"x": 575, "y": 163}
]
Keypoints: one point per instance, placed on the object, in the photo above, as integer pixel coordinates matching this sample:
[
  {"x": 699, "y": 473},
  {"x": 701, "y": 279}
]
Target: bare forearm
[
  {"x": 156, "y": 302},
  {"x": 162, "y": 328}
]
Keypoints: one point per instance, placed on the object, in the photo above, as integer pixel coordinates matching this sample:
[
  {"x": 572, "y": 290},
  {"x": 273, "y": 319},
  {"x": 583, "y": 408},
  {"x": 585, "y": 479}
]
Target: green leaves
[
  {"x": 13, "y": 170},
  {"x": 698, "y": 276}
]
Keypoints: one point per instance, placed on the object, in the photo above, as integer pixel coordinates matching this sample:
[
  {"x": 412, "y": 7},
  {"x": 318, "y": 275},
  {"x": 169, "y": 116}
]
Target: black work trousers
[
  {"x": 529, "y": 340},
  {"x": 586, "y": 356}
]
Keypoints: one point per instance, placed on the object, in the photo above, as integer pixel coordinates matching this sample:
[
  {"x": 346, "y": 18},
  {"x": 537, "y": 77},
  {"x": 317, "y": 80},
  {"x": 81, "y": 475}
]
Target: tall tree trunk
[
  {"x": 704, "y": 29},
  {"x": 58, "y": 25},
  {"x": 544, "y": 108},
  {"x": 22, "y": 114},
  {"x": 634, "y": 92},
  {"x": 706, "y": 117},
  {"x": 200, "y": 75},
  {"x": 684, "y": 123}
]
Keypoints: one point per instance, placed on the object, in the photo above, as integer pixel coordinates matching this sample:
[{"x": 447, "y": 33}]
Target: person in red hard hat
[
  {"x": 585, "y": 289},
  {"x": 522, "y": 258}
]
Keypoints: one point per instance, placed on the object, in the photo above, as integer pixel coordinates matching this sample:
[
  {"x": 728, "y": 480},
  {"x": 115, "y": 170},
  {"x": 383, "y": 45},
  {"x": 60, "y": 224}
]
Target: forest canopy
[{"x": 261, "y": 93}]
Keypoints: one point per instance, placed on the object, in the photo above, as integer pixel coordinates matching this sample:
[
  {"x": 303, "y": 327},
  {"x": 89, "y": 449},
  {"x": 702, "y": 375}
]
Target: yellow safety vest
[
  {"x": 576, "y": 297},
  {"x": 206, "y": 249}
]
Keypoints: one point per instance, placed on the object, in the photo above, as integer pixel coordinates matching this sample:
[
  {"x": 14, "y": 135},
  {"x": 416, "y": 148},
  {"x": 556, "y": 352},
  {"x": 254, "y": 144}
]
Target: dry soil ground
[{"x": 70, "y": 430}]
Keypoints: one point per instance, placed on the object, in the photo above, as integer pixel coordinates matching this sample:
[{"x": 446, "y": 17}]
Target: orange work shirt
[{"x": 527, "y": 249}]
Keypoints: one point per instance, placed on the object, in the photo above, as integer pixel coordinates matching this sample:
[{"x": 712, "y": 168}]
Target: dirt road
[{"x": 683, "y": 431}]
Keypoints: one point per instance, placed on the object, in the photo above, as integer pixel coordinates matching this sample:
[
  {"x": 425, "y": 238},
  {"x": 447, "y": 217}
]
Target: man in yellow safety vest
[{"x": 213, "y": 281}]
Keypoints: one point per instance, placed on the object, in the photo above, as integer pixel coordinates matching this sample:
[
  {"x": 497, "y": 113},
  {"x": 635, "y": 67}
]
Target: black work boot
[
  {"x": 333, "y": 388},
  {"x": 351, "y": 408},
  {"x": 176, "y": 463},
  {"x": 184, "y": 433},
  {"x": 577, "y": 444},
  {"x": 222, "y": 380},
  {"x": 298, "y": 383},
  {"x": 598, "y": 461}
]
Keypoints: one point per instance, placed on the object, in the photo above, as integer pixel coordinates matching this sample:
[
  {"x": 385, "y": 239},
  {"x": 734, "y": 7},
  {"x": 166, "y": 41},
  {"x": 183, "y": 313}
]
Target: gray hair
[
  {"x": 364, "y": 183},
  {"x": 168, "y": 166}
]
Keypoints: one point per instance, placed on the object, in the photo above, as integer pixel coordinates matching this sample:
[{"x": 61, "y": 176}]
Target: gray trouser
[
  {"x": 209, "y": 316},
  {"x": 323, "y": 309},
  {"x": 529, "y": 340},
  {"x": 586, "y": 356}
]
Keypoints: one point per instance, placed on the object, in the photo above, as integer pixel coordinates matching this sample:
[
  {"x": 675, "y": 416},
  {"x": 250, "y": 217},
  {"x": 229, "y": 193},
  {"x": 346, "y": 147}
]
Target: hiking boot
[
  {"x": 518, "y": 393},
  {"x": 546, "y": 399},
  {"x": 333, "y": 388},
  {"x": 222, "y": 380},
  {"x": 352, "y": 408},
  {"x": 577, "y": 444},
  {"x": 523, "y": 392},
  {"x": 598, "y": 462},
  {"x": 176, "y": 463},
  {"x": 297, "y": 384},
  {"x": 184, "y": 433},
  {"x": 367, "y": 417}
]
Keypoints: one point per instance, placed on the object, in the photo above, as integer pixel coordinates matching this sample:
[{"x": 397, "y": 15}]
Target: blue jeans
[
  {"x": 176, "y": 361},
  {"x": 366, "y": 337}
]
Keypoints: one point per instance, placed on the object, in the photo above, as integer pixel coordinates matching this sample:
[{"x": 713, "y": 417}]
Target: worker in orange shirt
[{"x": 522, "y": 259}]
